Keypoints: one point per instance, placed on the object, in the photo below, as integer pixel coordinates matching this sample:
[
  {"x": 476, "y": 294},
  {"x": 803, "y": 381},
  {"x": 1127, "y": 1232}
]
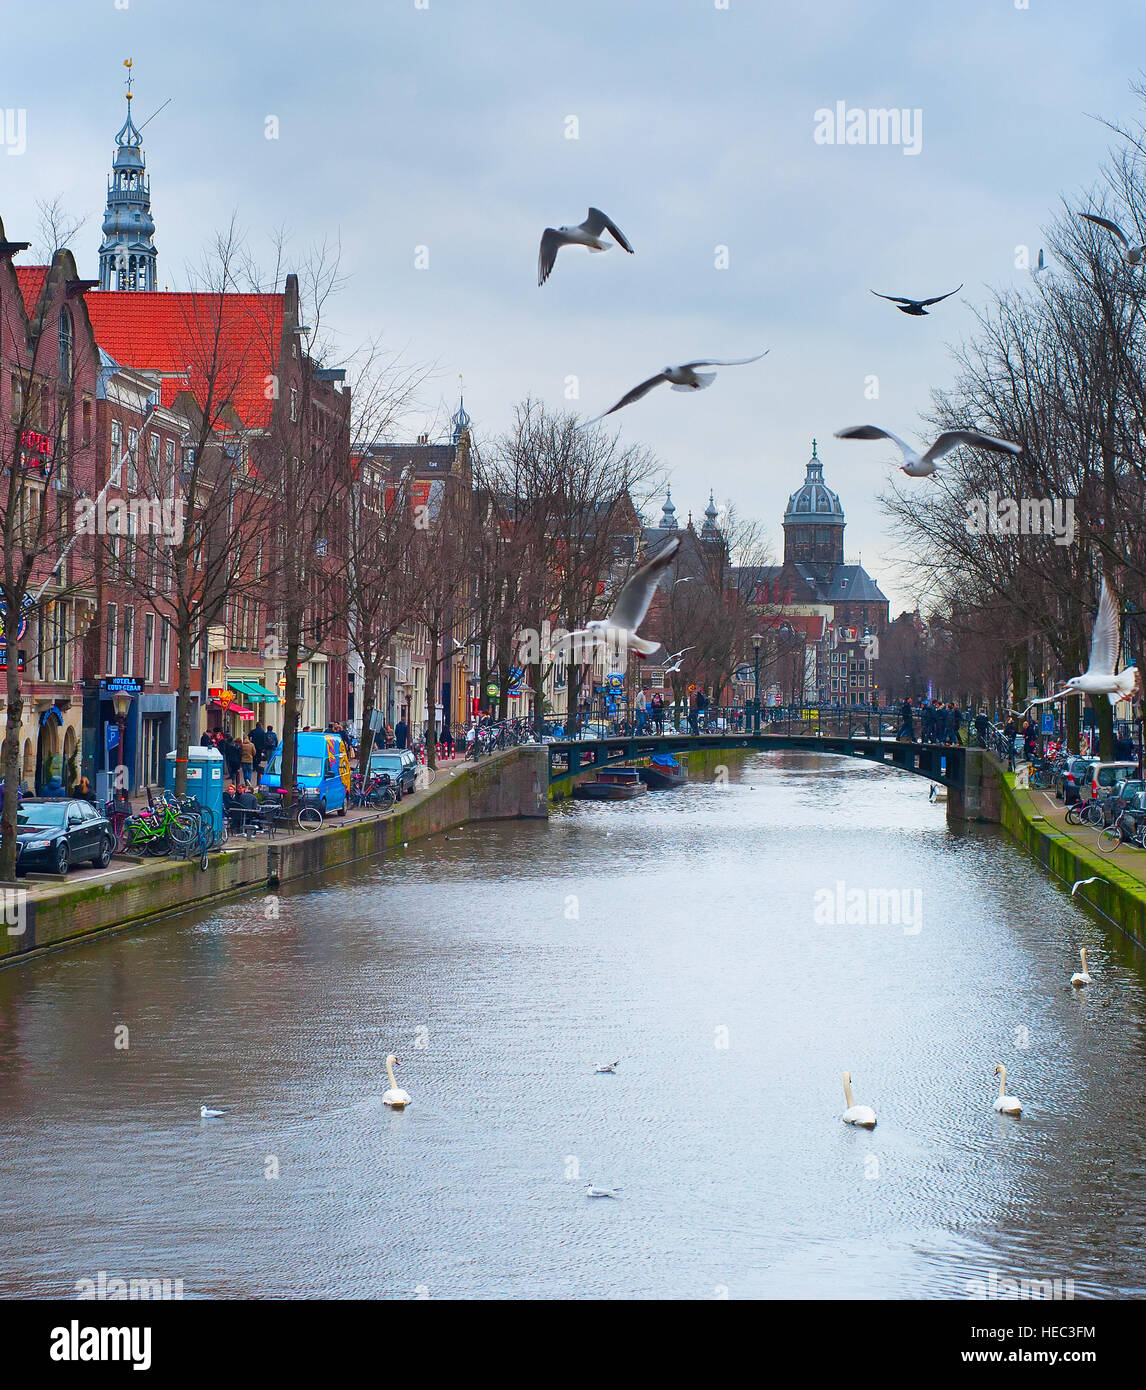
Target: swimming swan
[
  {"x": 862, "y": 1115},
  {"x": 1081, "y": 977},
  {"x": 1004, "y": 1104},
  {"x": 395, "y": 1098}
]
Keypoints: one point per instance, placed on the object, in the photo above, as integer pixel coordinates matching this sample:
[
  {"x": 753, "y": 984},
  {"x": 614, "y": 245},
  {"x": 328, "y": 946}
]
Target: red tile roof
[
  {"x": 31, "y": 280},
  {"x": 236, "y": 338}
]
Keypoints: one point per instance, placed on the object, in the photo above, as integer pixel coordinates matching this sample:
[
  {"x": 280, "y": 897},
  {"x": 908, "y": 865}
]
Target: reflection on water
[{"x": 678, "y": 933}]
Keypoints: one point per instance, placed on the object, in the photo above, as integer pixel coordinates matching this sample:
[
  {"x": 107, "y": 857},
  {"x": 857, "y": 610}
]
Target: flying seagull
[
  {"x": 1101, "y": 676},
  {"x": 620, "y": 627},
  {"x": 917, "y": 465},
  {"x": 206, "y": 1113},
  {"x": 1081, "y": 882},
  {"x": 682, "y": 378},
  {"x": 682, "y": 651},
  {"x": 915, "y": 307},
  {"x": 1132, "y": 255},
  {"x": 688, "y": 578},
  {"x": 675, "y": 667},
  {"x": 607, "y": 1066},
  {"x": 592, "y": 1191},
  {"x": 587, "y": 233}
]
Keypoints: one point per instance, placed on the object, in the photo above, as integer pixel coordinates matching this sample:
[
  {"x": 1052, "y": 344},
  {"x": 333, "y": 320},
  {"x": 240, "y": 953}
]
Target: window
[
  {"x": 169, "y": 464},
  {"x": 149, "y": 648},
  {"x": 132, "y": 484},
  {"x": 164, "y": 650},
  {"x": 128, "y": 640},
  {"x": 155, "y": 483},
  {"x": 111, "y": 639},
  {"x": 66, "y": 363},
  {"x": 114, "y": 452},
  {"x": 293, "y": 404}
]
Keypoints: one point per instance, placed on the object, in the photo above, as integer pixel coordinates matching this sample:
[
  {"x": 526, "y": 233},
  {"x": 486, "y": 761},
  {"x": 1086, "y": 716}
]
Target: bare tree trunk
[
  {"x": 183, "y": 710},
  {"x": 11, "y": 758},
  {"x": 435, "y": 637},
  {"x": 290, "y": 713}
]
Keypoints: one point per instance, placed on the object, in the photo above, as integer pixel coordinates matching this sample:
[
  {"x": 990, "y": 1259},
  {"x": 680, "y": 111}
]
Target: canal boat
[
  {"x": 612, "y": 784},
  {"x": 663, "y": 773}
]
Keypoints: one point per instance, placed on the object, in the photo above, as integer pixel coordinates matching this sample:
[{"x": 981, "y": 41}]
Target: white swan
[
  {"x": 397, "y": 1099},
  {"x": 1081, "y": 977},
  {"x": 1004, "y": 1104},
  {"x": 862, "y": 1115},
  {"x": 206, "y": 1113}
]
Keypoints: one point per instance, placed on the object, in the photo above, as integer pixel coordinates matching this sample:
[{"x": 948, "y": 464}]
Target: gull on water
[
  {"x": 592, "y": 1191},
  {"x": 620, "y": 627},
  {"x": 682, "y": 378},
  {"x": 607, "y": 1066},
  {"x": 915, "y": 306},
  {"x": 206, "y": 1113},
  {"x": 1132, "y": 255},
  {"x": 587, "y": 233},
  {"x": 1101, "y": 676},
  {"x": 917, "y": 465}
]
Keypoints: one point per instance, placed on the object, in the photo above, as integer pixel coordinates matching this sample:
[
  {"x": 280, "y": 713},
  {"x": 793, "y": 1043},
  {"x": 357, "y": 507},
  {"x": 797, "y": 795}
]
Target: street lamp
[
  {"x": 756, "y": 640},
  {"x": 121, "y": 702}
]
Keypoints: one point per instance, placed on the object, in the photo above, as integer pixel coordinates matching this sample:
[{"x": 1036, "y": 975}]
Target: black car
[
  {"x": 400, "y": 765},
  {"x": 1070, "y": 778},
  {"x": 54, "y": 834}
]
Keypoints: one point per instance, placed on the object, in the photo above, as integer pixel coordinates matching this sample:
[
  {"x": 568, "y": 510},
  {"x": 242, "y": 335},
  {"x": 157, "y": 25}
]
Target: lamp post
[
  {"x": 121, "y": 702},
  {"x": 756, "y": 640}
]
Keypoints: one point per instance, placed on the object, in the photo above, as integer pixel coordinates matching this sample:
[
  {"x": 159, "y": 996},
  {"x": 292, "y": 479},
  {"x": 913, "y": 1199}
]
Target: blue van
[{"x": 323, "y": 768}]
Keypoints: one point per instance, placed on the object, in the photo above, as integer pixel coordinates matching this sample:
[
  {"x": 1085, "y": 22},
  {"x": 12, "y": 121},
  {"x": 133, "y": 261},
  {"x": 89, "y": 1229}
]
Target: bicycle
[{"x": 1115, "y": 834}]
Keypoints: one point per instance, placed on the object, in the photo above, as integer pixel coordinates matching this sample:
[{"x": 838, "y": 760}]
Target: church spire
[{"x": 127, "y": 254}]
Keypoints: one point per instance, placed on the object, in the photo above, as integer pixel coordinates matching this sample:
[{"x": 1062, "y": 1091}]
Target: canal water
[{"x": 691, "y": 936}]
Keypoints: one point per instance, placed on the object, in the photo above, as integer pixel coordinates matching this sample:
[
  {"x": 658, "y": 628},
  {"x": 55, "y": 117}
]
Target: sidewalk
[{"x": 1129, "y": 858}]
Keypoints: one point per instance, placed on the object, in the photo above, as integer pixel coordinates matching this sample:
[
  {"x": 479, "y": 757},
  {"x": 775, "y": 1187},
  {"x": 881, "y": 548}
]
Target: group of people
[
  {"x": 246, "y": 757},
  {"x": 938, "y": 722}
]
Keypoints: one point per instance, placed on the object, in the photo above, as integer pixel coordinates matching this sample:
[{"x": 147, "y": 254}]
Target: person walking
[
  {"x": 270, "y": 743},
  {"x": 981, "y": 723},
  {"x": 447, "y": 741},
  {"x": 906, "y": 721},
  {"x": 640, "y": 709},
  {"x": 401, "y": 734},
  {"x": 658, "y": 706},
  {"x": 233, "y": 756},
  {"x": 953, "y": 723},
  {"x": 247, "y": 751}
]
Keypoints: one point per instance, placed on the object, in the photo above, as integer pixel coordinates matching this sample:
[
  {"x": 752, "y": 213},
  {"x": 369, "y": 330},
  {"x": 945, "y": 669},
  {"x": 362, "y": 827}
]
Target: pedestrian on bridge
[{"x": 906, "y": 721}]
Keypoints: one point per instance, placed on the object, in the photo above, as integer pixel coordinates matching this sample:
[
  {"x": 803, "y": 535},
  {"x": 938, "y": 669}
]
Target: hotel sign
[{"x": 36, "y": 451}]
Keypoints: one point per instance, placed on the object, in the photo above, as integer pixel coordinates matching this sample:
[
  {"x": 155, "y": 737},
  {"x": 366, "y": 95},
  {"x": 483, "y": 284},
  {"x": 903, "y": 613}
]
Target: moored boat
[
  {"x": 612, "y": 784},
  {"x": 663, "y": 773}
]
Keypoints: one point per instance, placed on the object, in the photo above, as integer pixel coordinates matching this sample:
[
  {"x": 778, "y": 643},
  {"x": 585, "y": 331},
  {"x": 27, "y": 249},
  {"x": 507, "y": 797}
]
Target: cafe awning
[
  {"x": 232, "y": 709},
  {"x": 253, "y": 690}
]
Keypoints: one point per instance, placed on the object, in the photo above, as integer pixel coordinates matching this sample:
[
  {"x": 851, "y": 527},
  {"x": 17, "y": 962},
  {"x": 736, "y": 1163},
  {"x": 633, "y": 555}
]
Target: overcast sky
[{"x": 443, "y": 124}]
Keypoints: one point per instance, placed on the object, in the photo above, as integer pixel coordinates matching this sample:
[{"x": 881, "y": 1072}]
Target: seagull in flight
[
  {"x": 676, "y": 655},
  {"x": 1132, "y": 255},
  {"x": 606, "y": 1067},
  {"x": 206, "y": 1113},
  {"x": 682, "y": 378},
  {"x": 592, "y": 1191},
  {"x": 917, "y": 465},
  {"x": 620, "y": 627},
  {"x": 1101, "y": 676},
  {"x": 915, "y": 307},
  {"x": 587, "y": 233},
  {"x": 1081, "y": 882}
]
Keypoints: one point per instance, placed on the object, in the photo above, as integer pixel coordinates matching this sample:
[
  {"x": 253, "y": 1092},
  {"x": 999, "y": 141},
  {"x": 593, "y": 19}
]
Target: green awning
[{"x": 254, "y": 691}]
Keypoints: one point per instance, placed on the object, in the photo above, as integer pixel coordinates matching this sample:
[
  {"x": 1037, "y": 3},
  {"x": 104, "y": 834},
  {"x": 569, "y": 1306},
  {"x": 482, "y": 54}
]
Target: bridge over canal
[{"x": 970, "y": 775}]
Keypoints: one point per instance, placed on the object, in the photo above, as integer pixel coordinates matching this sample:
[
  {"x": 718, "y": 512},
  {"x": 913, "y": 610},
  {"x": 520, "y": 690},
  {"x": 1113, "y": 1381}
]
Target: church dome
[{"x": 815, "y": 502}]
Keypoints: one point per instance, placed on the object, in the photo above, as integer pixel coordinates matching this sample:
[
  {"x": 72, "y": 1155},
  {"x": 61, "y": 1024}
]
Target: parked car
[
  {"x": 54, "y": 834},
  {"x": 400, "y": 765},
  {"x": 1069, "y": 778},
  {"x": 1104, "y": 777}
]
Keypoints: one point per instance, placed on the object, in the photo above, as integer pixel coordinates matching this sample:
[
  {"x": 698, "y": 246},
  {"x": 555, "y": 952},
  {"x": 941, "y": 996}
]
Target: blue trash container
[{"x": 204, "y": 781}]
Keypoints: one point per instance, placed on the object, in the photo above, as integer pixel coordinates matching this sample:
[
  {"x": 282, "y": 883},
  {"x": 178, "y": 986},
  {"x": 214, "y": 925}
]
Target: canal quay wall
[
  {"x": 1118, "y": 896},
  {"x": 506, "y": 786}
]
